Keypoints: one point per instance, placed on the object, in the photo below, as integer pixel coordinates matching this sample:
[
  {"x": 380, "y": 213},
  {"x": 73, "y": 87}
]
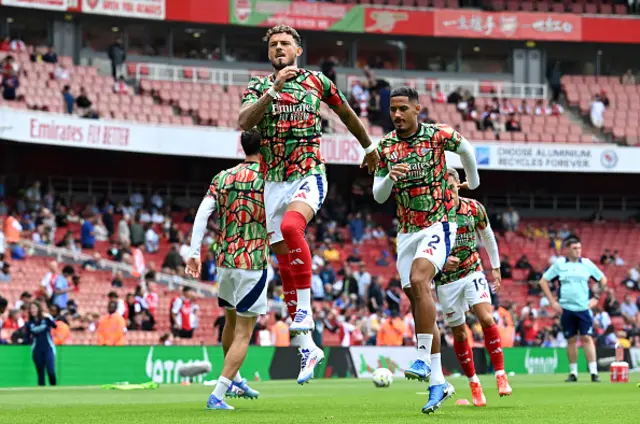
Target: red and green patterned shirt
[
  {"x": 292, "y": 126},
  {"x": 423, "y": 196},
  {"x": 239, "y": 196},
  {"x": 470, "y": 217}
]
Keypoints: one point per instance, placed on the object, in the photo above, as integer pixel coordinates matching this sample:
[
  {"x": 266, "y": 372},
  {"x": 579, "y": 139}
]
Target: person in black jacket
[
  {"x": 43, "y": 352},
  {"x": 118, "y": 56}
]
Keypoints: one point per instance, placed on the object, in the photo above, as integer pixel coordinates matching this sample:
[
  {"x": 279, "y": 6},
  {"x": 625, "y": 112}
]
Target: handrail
[{"x": 174, "y": 282}]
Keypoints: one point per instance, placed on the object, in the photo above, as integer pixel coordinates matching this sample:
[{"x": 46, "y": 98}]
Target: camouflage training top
[
  {"x": 239, "y": 196},
  {"x": 470, "y": 217},
  {"x": 423, "y": 196},
  {"x": 292, "y": 125}
]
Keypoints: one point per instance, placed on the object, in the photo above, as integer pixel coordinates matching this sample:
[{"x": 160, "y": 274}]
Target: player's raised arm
[{"x": 336, "y": 100}]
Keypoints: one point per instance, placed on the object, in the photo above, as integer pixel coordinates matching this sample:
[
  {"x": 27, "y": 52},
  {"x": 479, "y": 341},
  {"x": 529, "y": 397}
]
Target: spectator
[
  {"x": 364, "y": 280},
  {"x": 36, "y": 55},
  {"x": 10, "y": 84},
  {"x": 332, "y": 254},
  {"x": 617, "y": 259},
  {"x": 391, "y": 332},
  {"x": 631, "y": 282},
  {"x": 375, "y": 297},
  {"x": 539, "y": 110},
  {"x": 394, "y": 298},
  {"x": 505, "y": 267},
  {"x": 513, "y": 125},
  {"x": 83, "y": 102},
  {"x": 87, "y": 233},
  {"x": 173, "y": 261},
  {"x": 62, "y": 288},
  {"x": 523, "y": 263},
  {"x": 118, "y": 56},
  {"x": 606, "y": 258},
  {"x": 117, "y": 280},
  {"x": 120, "y": 86},
  {"x": 597, "y": 112},
  {"x": 14, "y": 321},
  {"x": 183, "y": 314},
  {"x": 50, "y": 56},
  {"x": 605, "y": 98},
  {"x": 554, "y": 109},
  {"x": 10, "y": 66},
  {"x": 111, "y": 327},
  {"x": 511, "y": 219},
  {"x": 25, "y": 299},
  {"x": 383, "y": 259},
  {"x": 455, "y": 97},
  {"x": 554, "y": 81},
  {"x": 356, "y": 228},
  {"x": 629, "y": 310},
  {"x": 61, "y": 73},
  {"x": 137, "y": 231},
  {"x": 124, "y": 232},
  {"x": 317, "y": 285},
  {"x": 355, "y": 258},
  {"x": 5, "y": 45},
  {"x": 152, "y": 240},
  {"x": 530, "y": 330},
  {"x": 611, "y": 304},
  {"x": 68, "y": 99},
  {"x": 327, "y": 274},
  {"x": 438, "y": 96},
  {"x": 121, "y": 305},
  {"x": 17, "y": 45},
  {"x": 280, "y": 332},
  {"x": 209, "y": 268},
  {"x": 5, "y": 272},
  {"x": 628, "y": 78},
  {"x": 524, "y": 108}
]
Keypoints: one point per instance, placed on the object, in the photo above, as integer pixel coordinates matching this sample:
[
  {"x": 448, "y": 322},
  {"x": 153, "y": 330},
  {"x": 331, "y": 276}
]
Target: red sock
[
  {"x": 493, "y": 343},
  {"x": 465, "y": 357},
  {"x": 293, "y": 226},
  {"x": 290, "y": 296}
]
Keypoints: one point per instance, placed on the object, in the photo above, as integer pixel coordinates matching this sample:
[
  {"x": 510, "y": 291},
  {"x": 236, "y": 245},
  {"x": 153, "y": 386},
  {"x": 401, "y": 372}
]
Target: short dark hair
[
  {"x": 68, "y": 270},
  {"x": 284, "y": 29},
  {"x": 112, "y": 295},
  {"x": 405, "y": 91},
  {"x": 250, "y": 141},
  {"x": 571, "y": 240},
  {"x": 3, "y": 303},
  {"x": 187, "y": 289}
]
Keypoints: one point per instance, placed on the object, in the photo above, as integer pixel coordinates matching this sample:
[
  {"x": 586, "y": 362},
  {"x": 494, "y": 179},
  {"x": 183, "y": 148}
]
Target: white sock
[
  {"x": 304, "y": 341},
  {"x": 593, "y": 367},
  {"x": 237, "y": 378},
  {"x": 573, "y": 369},
  {"x": 437, "y": 377},
  {"x": 500, "y": 372},
  {"x": 221, "y": 388},
  {"x": 473, "y": 379},
  {"x": 424, "y": 347},
  {"x": 304, "y": 300}
]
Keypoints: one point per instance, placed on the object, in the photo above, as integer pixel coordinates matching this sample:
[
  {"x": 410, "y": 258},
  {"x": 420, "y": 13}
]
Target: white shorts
[
  {"x": 311, "y": 190},
  {"x": 457, "y": 297},
  {"x": 433, "y": 243},
  {"x": 244, "y": 290}
]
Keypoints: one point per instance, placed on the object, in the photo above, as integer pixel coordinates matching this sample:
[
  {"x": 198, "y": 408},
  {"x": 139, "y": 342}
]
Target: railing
[
  {"x": 65, "y": 255},
  {"x": 161, "y": 72},
  {"x": 500, "y": 89}
]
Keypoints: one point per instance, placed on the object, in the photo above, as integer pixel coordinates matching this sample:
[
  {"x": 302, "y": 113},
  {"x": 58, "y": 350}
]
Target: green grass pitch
[{"x": 536, "y": 399}]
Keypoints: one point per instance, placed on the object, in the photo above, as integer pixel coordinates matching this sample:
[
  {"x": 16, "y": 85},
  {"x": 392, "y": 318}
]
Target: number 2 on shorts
[{"x": 435, "y": 239}]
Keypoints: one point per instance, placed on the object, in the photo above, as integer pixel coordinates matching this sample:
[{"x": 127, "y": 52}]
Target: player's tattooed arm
[{"x": 252, "y": 113}]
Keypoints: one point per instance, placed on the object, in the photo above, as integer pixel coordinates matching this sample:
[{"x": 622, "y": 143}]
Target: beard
[{"x": 282, "y": 62}]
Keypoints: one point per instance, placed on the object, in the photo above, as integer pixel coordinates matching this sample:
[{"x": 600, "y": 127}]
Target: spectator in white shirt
[
  {"x": 317, "y": 286},
  {"x": 157, "y": 217},
  {"x": 629, "y": 310},
  {"x": 185, "y": 249},
  {"x": 120, "y": 86},
  {"x": 617, "y": 260},
  {"x": 539, "y": 110},
  {"x": 136, "y": 199},
  {"x": 61, "y": 73},
  {"x": 124, "y": 232},
  {"x": 511, "y": 219},
  {"x": 633, "y": 277},
  {"x": 364, "y": 280},
  {"x": 17, "y": 45},
  {"x": 151, "y": 240},
  {"x": 156, "y": 201},
  {"x": 597, "y": 112},
  {"x": 145, "y": 216},
  {"x": 317, "y": 260},
  {"x": 100, "y": 232}
]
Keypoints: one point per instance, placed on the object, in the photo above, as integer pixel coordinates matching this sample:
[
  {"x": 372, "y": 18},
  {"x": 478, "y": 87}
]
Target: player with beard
[
  {"x": 463, "y": 285},
  {"x": 413, "y": 166},
  {"x": 285, "y": 107}
]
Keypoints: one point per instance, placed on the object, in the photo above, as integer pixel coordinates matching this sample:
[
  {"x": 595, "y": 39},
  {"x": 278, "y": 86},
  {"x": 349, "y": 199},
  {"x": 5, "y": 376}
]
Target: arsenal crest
[{"x": 243, "y": 10}]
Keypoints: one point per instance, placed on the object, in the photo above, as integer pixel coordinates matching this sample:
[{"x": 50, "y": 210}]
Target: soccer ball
[{"x": 382, "y": 377}]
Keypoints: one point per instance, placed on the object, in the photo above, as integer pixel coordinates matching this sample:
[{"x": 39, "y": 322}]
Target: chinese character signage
[{"x": 507, "y": 25}]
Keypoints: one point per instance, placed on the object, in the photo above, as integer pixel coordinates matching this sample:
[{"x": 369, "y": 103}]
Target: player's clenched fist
[
  {"x": 283, "y": 75},
  {"x": 398, "y": 171},
  {"x": 452, "y": 263}
]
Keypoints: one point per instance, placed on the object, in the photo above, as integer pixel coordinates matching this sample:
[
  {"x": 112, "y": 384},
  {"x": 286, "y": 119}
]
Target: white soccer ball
[{"x": 382, "y": 377}]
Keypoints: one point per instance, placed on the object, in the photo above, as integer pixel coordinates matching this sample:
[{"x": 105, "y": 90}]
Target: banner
[
  {"x": 299, "y": 14},
  {"x": 37, "y": 4},
  {"x": 199, "y": 11},
  {"x": 398, "y": 21},
  {"x": 69, "y": 131},
  {"x": 89, "y": 365},
  {"x": 539, "y": 360},
  {"x": 607, "y": 29},
  {"x": 507, "y": 25},
  {"x": 141, "y": 9}
]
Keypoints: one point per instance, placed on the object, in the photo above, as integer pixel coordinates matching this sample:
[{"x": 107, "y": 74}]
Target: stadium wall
[{"x": 94, "y": 365}]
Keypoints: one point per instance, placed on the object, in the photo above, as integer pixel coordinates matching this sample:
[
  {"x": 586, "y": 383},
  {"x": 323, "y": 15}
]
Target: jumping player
[
  {"x": 463, "y": 284},
  {"x": 413, "y": 166},
  {"x": 285, "y": 107},
  {"x": 573, "y": 273},
  {"x": 236, "y": 195}
]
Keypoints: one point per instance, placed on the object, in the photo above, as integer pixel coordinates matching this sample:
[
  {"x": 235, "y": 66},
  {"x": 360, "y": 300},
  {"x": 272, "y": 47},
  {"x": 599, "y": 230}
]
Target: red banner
[
  {"x": 400, "y": 21},
  {"x": 507, "y": 25},
  {"x": 611, "y": 30},
  {"x": 37, "y": 4},
  {"x": 199, "y": 11}
]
